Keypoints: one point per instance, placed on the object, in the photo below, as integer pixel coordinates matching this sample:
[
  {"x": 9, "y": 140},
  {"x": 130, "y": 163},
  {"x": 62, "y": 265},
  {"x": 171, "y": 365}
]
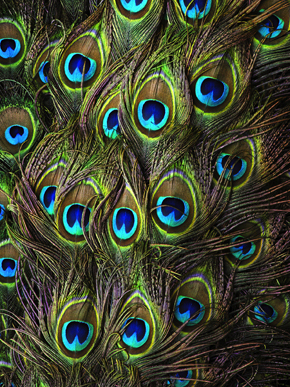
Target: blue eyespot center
[
  {"x": 134, "y": 6},
  {"x": 16, "y": 134},
  {"x": 136, "y": 332},
  {"x": 152, "y": 114},
  {"x": 237, "y": 166},
  {"x": 2, "y": 211},
  {"x": 43, "y": 71},
  {"x": 72, "y": 218},
  {"x": 76, "y": 335},
  {"x": 111, "y": 123},
  {"x": 8, "y": 267},
  {"x": 125, "y": 222},
  {"x": 79, "y": 61},
  {"x": 47, "y": 198},
  {"x": 186, "y": 308},
  {"x": 271, "y": 27},
  {"x": 172, "y": 211},
  {"x": 182, "y": 375},
  {"x": 79, "y": 67},
  {"x": 265, "y": 312},
  {"x": 195, "y": 9},
  {"x": 211, "y": 91},
  {"x": 212, "y": 85},
  {"x": 9, "y": 48},
  {"x": 245, "y": 250}
]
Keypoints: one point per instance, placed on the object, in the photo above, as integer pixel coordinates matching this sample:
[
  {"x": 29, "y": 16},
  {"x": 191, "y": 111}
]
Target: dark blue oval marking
[
  {"x": 125, "y": 222},
  {"x": 9, "y": 48},
  {"x": 245, "y": 250},
  {"x": 72, "y": 217},
  {"x": 211, "y": 91},
  {"x": 136, "y": 332},
  {"x": 43, "y": 71},
  {"x": 195, "y": 9},
  {"x": 134, "y": 6},
  {"x": 79, "y": 67},
  {"x": 187, "y": 307},
  {"x": 237, "y": 165},
  {"x": 8, "y": 267},
  {"x": 77, "y": 335},
  {"x": 271, "y": 27},
  {"x": 47, "y": 198},
  {"x": 111, "y": 123},
  {"x": 152, "y": 114},
  {"x": 265, "y": 312},
  {"x": 172, "y": 211},
  {"x": 16, "y": 134}
]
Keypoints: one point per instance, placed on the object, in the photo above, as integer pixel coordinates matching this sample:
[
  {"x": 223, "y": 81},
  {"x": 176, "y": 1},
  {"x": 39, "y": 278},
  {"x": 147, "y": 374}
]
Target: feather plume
[{"x": 144, "y": 193}]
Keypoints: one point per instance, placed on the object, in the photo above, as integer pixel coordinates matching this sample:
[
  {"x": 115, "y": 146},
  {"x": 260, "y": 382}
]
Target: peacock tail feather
[{"x": 144, "y": 193}]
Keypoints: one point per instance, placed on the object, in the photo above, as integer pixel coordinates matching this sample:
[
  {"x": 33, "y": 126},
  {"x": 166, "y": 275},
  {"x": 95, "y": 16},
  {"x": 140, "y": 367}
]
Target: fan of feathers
[{"x": 144, "y": 193}]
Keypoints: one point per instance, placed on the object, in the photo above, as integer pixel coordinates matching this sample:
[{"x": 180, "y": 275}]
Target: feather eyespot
[
  {"x": 138, "y": 330},
  {"x": 265, "y": 312},
  {"x": 18, "y": 129},
  {"x": 125, "y": 221},
  {"x": 237, "y": 166},
  {"x": 183, "y": 379},
  {"x": 8, "y": 263},
  {"x": 244, "y": 250},
  {"x": 211, "y": 91},
  {"x": 273, "y": 312},
  {"x": 271, "y": 27},
  {"x": 43, "y": 71},
  {"x": 153, "y": 114},
  {"x": 172, "y": 211},
  {"x": 72, "y": 218},
  {"x": 133, "y": 9},
  {"x": 236, "y": 163},
  {"x": 192, "y": 303},
  {"x": 12, "y": 43},
  {"x": 16, "y": 134},
  {"x": 77, "y": 328},
  {"x": 47, "y": 185},
  {"x": 189, "y": 309},
  {"x": 2, "y": 211},
  {"x": 133, "y": 6},
  {"x": 76, "y": 335},
  {"x": 72, "y": 213},
  {"x": 273, "y": 30},
  {"x": 79, "y": 67},
  {"x": 42, "y": 64},
  {"x": 154, "y": 105},
  {"x": 82, "y": 62},
  {"x": 195, "y": 9},
  {"x": 213, "y": 86},
  {"x": 247, "y": 245},
  {"x": 111, "y": 123},
  {"x": 47, "y": 198},
  {"x": 174, "y": 203},
  {"x": 108, "y": 120},
  {"x": 9, "y": 48}
]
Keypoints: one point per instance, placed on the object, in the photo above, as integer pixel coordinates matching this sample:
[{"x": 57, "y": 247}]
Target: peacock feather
[{"x": 144, "y": 193}]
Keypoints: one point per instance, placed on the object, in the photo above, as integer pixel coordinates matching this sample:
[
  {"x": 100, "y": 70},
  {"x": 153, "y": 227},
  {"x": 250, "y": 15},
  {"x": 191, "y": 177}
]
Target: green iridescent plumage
[{"x": 144, "y": 193}]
